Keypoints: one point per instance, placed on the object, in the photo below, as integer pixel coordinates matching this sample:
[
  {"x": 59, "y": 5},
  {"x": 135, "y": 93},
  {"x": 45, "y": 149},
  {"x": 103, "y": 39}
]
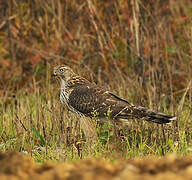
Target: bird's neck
[
  {"x": 73, "y": 81},
  {"x": 63, "y": 84},
  {"x": 66, "y": 79},
  {"x": 76, "y": 81}
]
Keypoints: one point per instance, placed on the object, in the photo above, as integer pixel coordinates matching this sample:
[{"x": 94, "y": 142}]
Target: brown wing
[{"x": 92, "y": 100}]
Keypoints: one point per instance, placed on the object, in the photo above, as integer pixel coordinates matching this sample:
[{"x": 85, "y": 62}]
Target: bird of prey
[{"x": 88, "y": 99}]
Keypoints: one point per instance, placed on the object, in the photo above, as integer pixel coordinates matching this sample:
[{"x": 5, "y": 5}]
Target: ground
[{"x": 14, "y": 165}]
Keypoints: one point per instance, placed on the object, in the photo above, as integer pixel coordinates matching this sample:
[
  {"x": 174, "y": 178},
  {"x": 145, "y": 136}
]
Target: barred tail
[
  {"x": 153, "y": 116},
  {"x": 145, "y": 114}
]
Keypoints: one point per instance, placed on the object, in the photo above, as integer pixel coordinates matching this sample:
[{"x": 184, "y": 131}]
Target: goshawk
[{"x": 88, "y": 99}]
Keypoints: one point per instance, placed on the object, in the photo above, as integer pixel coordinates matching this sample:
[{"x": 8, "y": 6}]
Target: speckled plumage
[{"x": 90, "y": 100}]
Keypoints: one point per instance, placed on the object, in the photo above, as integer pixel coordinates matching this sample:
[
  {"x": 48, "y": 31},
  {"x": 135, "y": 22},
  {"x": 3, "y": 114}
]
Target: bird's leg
[
  {"x": 115, "y": 128},
  {"x": 89, "y": 128}
]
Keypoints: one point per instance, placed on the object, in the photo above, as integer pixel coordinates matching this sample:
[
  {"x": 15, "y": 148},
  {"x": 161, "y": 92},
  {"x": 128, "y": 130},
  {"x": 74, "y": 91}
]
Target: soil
[{"x": 15, "y": 166}]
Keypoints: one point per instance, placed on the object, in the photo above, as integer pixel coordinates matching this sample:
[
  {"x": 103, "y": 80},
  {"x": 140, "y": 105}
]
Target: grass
[
  {"x": 36, "y": 123},
  {"x": 140, "y": 50}
]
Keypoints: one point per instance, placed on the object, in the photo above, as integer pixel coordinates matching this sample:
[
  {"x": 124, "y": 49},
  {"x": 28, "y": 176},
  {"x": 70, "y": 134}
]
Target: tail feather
[
  {"x": 146, "y": 114},
  {"x": 153, "y": 116}
]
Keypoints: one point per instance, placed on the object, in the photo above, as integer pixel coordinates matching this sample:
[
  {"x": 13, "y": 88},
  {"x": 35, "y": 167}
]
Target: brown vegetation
[{"x": 144, "y": 41}]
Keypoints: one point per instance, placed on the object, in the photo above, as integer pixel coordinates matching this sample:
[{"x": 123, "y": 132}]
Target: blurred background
[{"x": 147, "y": 42}]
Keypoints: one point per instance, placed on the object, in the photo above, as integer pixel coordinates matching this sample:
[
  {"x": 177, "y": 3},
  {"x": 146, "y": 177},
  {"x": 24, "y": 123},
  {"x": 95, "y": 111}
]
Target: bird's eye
[{"x": 61, "y": 70}]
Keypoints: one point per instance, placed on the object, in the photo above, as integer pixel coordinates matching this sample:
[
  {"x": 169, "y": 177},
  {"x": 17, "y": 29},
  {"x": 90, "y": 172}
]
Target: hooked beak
[{"x": 53, "y": 74}]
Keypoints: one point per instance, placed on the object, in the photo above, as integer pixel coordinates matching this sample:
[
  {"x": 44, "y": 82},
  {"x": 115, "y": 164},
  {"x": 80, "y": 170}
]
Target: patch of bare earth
[{"x": 14, "y": 166}]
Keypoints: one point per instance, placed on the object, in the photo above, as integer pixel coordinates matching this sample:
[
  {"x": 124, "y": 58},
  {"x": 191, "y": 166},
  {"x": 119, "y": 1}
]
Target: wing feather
[{"x": 95, "y": 101}]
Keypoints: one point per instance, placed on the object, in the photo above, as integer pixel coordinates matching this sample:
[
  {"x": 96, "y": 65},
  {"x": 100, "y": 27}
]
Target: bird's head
[{"x": 63, "y": 72}]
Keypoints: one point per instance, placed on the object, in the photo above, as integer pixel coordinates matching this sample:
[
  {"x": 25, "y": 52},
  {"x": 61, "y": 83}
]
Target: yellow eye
[{"x": 61, "y": 70}]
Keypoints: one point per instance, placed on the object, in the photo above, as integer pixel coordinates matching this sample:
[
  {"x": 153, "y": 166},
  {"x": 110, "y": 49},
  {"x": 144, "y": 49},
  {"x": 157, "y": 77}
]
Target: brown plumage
[{"x": 88, "y": 99}]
